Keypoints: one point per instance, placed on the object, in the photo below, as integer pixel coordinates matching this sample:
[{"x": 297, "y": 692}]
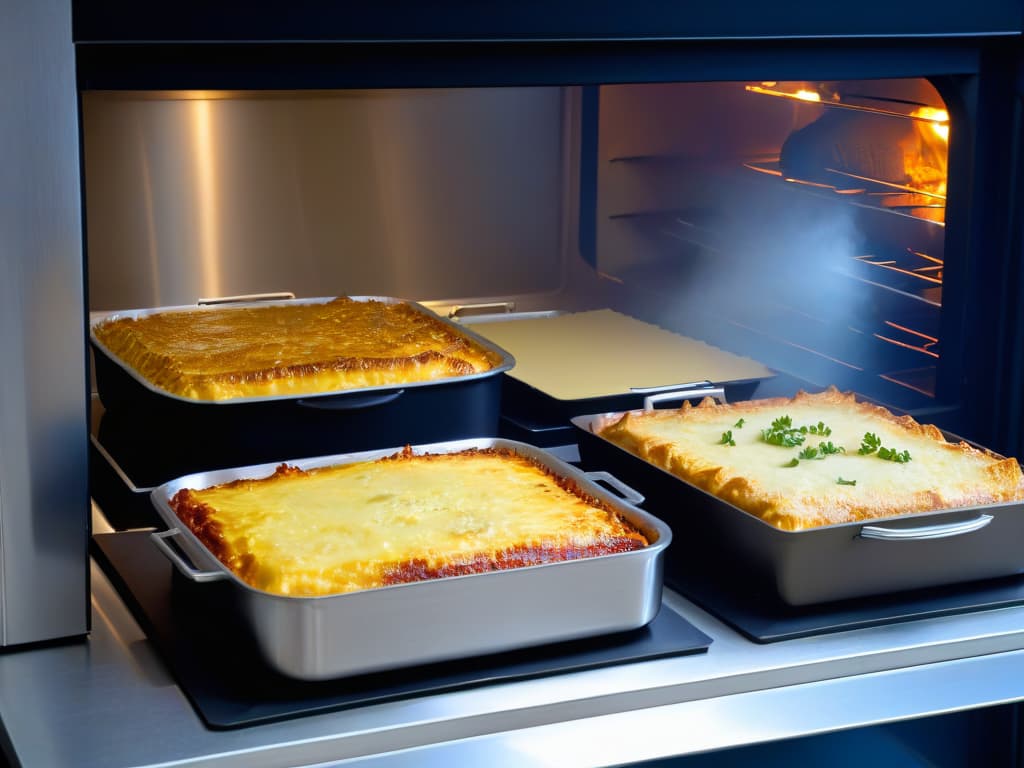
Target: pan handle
[
  {"x": 629, "y": 494},
  {"x": 245, "y": 298},
  {"x": 350, "y": 402},
  {"x": 186, "y": 570},
  {"x": 926, "y": 531},
  {"x": 468, "y": 310},
  {"x": 683, "y": 394}
]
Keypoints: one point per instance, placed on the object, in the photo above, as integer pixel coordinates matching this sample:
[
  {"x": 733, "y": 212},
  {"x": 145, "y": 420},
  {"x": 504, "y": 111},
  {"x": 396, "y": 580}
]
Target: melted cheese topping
[
  {"x": 550, "y": 352},
  {"x": 291, "y": 349},
  {"x": 754, "y": 474},
  {"x": 368, "y": 524}
]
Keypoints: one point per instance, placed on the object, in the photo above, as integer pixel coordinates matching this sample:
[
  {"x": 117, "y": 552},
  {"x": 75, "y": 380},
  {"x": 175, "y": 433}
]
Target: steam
[{"x": 779, "y": 266}]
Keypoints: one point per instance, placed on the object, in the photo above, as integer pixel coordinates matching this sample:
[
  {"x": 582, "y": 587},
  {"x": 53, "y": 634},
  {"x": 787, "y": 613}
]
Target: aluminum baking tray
[
  {"x": 111, "y": 386},
  {"x": 816, "y": 565},
  {"x": 315, "y": 638}
]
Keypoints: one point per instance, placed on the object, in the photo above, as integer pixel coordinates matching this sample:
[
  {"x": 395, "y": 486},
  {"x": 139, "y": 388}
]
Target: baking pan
[
  {"x": 815, "y": 565},
  {"x": 531, "y": 413},
  {"x": 224, "y": 433},
  {"x": 428, "y": 621}
]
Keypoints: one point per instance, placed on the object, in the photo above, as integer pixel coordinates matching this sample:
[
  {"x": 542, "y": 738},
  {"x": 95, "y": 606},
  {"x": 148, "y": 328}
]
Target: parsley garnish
[
  {"x": 872, "y": 443},
  {"x": 891, "y": 454},
  {"x": 783, "y": 433},
  {"x": 823, "y": 450},
  {"x": 869, "y": 444},
  {"x": 792, "y": 463},
  {"x": 739, "y": 424},
  {"x": 727, "y": 438},
  {"x": 846, "y": 482}
]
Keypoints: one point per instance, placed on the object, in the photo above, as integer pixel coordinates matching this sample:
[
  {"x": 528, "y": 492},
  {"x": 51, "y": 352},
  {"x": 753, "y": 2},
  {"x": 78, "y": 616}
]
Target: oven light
[
  {"x": 769, "y": 89},
  {"x": 937, "y": 118}
]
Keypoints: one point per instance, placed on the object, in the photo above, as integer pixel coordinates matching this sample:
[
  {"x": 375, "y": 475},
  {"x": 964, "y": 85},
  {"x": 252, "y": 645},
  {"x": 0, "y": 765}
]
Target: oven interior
[{"x": 801, "y": 224}]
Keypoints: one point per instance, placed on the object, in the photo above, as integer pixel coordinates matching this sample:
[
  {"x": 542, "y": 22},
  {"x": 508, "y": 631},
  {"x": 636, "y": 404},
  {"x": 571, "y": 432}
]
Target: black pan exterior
[{"x": 147, "y": 427}]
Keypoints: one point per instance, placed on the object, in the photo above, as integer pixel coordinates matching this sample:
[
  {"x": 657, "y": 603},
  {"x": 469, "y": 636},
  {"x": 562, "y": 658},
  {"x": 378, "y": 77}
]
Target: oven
[
  {"x": 832, "y": 197},
  {"x": 840, "y": 211}
]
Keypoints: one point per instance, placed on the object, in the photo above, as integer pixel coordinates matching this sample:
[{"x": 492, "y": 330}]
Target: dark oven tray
[
  {"x": 253, "y": 430},
  {"x": 313, "y": 638},
  {"x": 715, "y": 539}
]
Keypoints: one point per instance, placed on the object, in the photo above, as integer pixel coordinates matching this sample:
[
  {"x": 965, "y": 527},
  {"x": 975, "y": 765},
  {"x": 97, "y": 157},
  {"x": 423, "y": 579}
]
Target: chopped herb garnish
[
  {"x": 818, "y": 429},
  {"x": 869, "y": 444},
  {"x": 727, "y": 438},
  {"x": 827, "y": 449},
  {"x": 739, "y": 424},
  {"x": 891, "y": 454},
  {"x": 846, "y": 482},
  {"x": 781, "y": 432},
  {"x": 823, "y": 450},
  {"x": 792, "y": 463},
  {"x": 872, "y": 443}
]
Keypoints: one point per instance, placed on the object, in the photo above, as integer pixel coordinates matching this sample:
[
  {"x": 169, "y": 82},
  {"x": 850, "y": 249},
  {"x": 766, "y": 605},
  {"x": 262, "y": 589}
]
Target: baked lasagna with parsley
[
  {"x": 815, "y": 459},
  {"x": 300, "y": 348},
  {"x": 403, "y": 518}
]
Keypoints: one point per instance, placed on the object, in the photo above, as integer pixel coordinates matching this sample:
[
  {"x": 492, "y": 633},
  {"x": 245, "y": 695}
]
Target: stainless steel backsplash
[{"x": 423, "y": 194}]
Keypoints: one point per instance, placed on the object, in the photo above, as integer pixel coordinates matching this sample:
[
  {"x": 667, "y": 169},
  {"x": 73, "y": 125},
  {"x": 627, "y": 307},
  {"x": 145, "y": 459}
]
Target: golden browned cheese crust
[
  {"x": 841, "y": 483},
  {"x": 403, "y": 518},
  {"x": 291, "y": 349}
]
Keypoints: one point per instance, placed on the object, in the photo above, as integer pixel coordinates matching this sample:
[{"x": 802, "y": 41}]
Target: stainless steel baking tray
[
  {"x": 816, "y": 565},
  {"x": 107, "y": 393},
  {"x": 315, "y": 638}
]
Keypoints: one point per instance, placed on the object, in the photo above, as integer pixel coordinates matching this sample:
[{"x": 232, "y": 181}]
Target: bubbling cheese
[
  {"x": 404, "y": 518},
  {"x": 844, "y": 486}
]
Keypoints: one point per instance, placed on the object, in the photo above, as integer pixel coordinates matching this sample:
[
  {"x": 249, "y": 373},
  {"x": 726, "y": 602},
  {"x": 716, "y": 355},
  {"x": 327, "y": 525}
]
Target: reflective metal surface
[
  {"x": 44, "y": 501},
  {"x": 424, "y": 194},
  {"x": 109, "y": 702}
]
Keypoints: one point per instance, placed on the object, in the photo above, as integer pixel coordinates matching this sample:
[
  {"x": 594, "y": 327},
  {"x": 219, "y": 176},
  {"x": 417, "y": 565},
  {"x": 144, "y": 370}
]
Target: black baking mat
[
  {"x": 230, "y": 686},
  {"x": 763, "y": 618}
]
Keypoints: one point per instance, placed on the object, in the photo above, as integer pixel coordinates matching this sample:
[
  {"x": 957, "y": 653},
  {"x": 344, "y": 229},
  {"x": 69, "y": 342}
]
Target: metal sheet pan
[
  {"x": 532, "y": 401},
  {"x": 815, "y": 565},
  {"x": 324, "y": 637},
  {"x": 109, "y": 395},
  {"x": 540, "y": 417}
]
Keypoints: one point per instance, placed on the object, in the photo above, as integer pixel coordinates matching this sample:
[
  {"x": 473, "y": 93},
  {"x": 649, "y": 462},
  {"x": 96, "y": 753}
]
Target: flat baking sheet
[
  {"x": 230, "y": 687},
  {"x": 597, "y": 353}
]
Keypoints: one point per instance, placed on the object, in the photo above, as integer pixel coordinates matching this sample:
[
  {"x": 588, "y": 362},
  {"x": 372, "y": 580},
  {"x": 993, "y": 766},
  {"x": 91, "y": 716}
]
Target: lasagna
[
  {"x": 816, "y": 459},
  {"x": 291, "y": 349},
  {"x": 403, "y": 518}
]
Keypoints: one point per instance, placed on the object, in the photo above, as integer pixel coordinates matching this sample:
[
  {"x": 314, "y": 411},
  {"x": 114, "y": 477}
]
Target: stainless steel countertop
[{"x": 108, "y": 700}]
